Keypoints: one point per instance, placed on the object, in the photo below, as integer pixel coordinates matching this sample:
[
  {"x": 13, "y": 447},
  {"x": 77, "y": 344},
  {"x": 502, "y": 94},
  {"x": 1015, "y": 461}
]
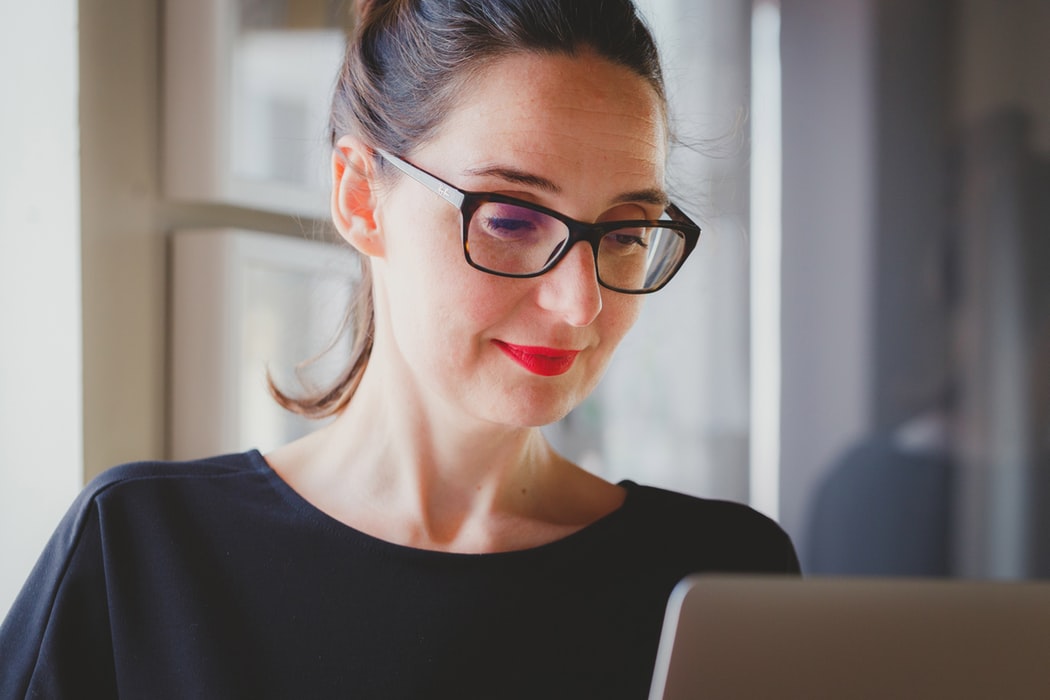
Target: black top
[{"x": 214, "y": 579}]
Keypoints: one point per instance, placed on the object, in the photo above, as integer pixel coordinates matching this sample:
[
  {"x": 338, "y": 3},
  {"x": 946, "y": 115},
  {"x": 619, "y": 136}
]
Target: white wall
[{"x": 40, "y": 299}]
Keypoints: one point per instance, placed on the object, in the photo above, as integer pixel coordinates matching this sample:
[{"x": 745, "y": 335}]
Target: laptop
[{"x": 771, "y": 637}]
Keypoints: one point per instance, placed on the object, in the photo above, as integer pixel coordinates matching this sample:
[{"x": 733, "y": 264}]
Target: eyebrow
[
  {"x": 650, "y": 195},
  {"x": 518, "y": 177}
]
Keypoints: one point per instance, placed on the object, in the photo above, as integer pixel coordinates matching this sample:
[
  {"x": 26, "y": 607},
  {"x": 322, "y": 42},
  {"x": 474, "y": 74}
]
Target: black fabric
[{"x": 214, "y": 579}]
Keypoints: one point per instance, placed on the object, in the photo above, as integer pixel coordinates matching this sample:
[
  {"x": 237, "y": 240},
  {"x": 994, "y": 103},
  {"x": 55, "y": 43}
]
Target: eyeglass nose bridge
[{"x": 578, "y": 233}]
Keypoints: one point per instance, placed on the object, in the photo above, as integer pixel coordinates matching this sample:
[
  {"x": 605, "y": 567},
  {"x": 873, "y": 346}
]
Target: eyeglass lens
[{"x": 515, "y": 240}]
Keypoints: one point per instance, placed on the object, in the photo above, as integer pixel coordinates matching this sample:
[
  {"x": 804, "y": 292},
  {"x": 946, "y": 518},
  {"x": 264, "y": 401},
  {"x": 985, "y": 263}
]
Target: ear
[{"x": 353, "y": 195}]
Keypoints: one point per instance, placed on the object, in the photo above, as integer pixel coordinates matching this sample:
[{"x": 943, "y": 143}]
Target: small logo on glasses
[{"x": 445, "y": 191}]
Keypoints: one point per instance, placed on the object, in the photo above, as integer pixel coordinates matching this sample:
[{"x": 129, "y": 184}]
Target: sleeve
[
  {"x": 789, "y": 556},
  {"x": 746, "y": 541},
  {"x": 765, "y": 547},
  {"x": 55, "y": 642}
]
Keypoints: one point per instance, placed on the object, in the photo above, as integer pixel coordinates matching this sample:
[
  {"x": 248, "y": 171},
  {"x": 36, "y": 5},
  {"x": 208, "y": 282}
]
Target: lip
[{"x": 546, "y": 362}]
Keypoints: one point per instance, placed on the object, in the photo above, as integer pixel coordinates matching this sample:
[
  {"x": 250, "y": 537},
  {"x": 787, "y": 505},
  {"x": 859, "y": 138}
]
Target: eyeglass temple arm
[
  {"x": 677, "y": 214},
  {"x": 437, "y": 186}
]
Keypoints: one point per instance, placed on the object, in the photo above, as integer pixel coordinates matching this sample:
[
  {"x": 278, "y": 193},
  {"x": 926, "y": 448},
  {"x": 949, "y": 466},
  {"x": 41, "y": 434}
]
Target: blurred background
[{"x": 860, "y": 346}]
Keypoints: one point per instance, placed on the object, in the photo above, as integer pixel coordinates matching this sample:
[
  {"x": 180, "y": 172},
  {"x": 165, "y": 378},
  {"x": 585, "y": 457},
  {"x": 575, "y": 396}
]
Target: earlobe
[{"x": 353, "y": 196}]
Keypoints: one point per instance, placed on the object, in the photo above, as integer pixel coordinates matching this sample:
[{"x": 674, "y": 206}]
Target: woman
[{"x": 493, "y": 162}]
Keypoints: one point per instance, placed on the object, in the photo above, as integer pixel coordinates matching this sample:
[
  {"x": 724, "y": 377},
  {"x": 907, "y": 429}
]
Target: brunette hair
[{"x": 407, "y": 63}]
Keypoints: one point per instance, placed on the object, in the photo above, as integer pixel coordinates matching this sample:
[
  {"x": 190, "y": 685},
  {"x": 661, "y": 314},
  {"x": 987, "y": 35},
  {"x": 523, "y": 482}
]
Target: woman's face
[{"x": 580, "y": 135}]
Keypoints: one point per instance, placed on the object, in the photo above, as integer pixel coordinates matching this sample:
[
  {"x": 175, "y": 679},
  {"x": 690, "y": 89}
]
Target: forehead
[{"x": 575, "y": 116}]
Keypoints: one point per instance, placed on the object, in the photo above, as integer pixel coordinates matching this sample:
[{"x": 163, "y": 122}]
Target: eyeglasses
[{"x": 510, "y": 237}]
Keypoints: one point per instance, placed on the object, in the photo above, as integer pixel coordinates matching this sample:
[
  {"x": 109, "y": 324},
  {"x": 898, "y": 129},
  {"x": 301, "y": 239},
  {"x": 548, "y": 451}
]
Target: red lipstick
[{"x": 546, "y": 362}]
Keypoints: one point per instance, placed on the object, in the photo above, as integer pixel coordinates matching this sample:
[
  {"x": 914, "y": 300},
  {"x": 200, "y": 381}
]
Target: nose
[{"x": 571, "y": 289}]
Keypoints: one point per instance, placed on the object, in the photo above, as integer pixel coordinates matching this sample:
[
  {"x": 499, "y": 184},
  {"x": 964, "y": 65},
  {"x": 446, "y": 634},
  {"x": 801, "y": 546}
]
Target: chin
[{"x": 535, "y": 409}]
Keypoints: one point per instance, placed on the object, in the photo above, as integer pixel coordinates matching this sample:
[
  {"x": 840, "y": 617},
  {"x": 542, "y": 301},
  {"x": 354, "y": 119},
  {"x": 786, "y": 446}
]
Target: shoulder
[
  {"x": 193, "y": 470},
  {"x": 56, "y": 631},
  {"x": 146, "y": 502},
  {"x": 153, "y": 486},
  {"x": 672, "y": 506},
  {"x": 730, "y": 536}
]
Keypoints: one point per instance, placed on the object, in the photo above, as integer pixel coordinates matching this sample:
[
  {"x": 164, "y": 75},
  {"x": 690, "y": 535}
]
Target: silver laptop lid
[{"x": 751, "y": 637}]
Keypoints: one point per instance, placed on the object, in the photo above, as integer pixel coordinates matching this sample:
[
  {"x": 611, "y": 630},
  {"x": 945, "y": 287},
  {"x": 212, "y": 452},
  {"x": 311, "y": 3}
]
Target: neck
[
  {"x": 407, "y": 470},
  {"x": 403, "y": 464},
  {"x": 401, "y": 432}
]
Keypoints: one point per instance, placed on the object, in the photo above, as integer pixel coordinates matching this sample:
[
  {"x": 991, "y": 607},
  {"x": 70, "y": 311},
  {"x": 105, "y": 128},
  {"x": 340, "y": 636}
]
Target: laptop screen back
[{"x": 753, "y": 637}]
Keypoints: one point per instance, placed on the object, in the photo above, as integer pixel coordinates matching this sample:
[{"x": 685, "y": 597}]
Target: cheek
[
  {"x": 438, "y": 303},
  {"x": 424, "y": 245},
  {"x": 422, "y": 254},
  {"x": 620, "y": 312}
]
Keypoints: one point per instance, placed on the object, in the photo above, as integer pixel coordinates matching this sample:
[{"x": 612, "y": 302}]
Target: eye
[
  {"x": 507, "y": 227},
  {"x": 508, "y": 222},
  {"x": 627, "y": 241}
]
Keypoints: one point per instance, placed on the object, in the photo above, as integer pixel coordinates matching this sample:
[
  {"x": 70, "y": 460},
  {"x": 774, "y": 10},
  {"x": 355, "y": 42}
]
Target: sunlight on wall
[{"x": 765, "y": 258}]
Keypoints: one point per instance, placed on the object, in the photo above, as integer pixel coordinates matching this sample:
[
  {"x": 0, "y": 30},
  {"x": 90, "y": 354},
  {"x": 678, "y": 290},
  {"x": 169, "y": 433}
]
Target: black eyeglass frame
[{"x": 468, "y": 203}]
